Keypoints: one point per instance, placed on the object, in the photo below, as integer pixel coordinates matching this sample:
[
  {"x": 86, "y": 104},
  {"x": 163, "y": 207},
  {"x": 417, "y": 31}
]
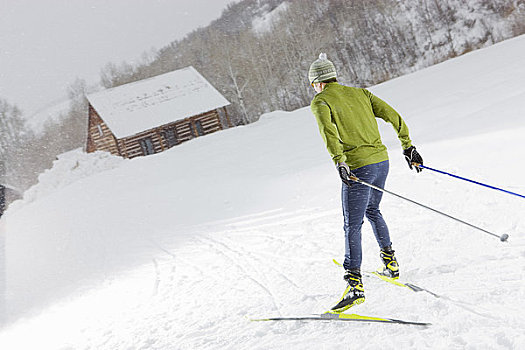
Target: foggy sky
[{"x": 46, "y": 44}]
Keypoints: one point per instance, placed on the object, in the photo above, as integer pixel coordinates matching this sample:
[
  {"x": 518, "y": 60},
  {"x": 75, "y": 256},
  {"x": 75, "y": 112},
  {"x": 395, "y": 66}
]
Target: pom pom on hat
[{"x": 321, "y": 70}]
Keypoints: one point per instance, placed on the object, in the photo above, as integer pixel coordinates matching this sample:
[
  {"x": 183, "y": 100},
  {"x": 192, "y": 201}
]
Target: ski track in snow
[
  {"x": 267, "y": 250},
  {"x": 219, "y": 274}
]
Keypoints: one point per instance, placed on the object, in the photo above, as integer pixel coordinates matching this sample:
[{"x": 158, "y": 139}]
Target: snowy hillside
[
  {"x": 175, "y": 250},
  {"x": 47, "y": 115}
]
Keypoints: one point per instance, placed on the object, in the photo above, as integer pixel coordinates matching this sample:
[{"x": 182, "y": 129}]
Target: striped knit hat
[{"x": 321, "y": 70}]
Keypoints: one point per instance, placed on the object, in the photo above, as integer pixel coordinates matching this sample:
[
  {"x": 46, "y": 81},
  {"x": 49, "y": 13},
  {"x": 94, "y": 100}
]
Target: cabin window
[
  {"x": 147, "y": 146},
  {"x": 170, "y": 135},
  {"x": 200, "y": 129},
  {"x": 100, "y": 132}
]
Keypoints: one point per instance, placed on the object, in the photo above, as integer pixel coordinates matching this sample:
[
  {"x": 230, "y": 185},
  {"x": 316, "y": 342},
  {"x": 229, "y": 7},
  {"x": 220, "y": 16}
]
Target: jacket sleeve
[
  {"x": 382, "y": 110},
  {"x": 328, "y": 130}
]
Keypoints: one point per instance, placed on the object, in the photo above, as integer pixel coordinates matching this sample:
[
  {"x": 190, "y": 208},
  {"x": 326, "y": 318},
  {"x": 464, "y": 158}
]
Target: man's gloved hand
[
  {"x": 345, "y": 173},
  {"x": 412, "y": 156}
]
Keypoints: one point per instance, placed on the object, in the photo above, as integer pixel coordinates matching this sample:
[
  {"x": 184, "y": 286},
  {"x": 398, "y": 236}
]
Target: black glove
[
  {"x": 412, "y": 156},
  {"x": 345, "y": 173}
]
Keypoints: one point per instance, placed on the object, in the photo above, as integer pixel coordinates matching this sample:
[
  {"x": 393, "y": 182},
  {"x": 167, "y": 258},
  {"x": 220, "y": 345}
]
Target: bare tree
[{"x": 369, "y": 41}]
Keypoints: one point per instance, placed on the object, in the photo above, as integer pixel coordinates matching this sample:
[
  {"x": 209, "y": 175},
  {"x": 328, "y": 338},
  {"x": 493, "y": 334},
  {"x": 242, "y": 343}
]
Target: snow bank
[{"x": 68, "y": 168}]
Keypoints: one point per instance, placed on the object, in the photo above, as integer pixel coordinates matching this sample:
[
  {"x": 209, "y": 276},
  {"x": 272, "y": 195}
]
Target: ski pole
[
  {"x": 502, "y": 238},
  {"x": 462, "y": 178}
]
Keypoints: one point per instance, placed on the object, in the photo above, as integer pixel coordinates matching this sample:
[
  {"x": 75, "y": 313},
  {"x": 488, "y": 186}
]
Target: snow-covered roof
[{"x": 135, "y": 107}]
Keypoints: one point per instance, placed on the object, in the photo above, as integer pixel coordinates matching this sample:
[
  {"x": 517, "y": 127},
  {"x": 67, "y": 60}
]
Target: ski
[
  {"x": 341, "y": 317},
  {"x": 462, "y": 304},
  {"x": 395, "y": 282}
]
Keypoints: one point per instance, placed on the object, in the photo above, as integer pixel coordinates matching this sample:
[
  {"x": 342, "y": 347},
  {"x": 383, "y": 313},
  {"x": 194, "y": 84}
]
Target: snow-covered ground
[{"x": 176, "y": 250}]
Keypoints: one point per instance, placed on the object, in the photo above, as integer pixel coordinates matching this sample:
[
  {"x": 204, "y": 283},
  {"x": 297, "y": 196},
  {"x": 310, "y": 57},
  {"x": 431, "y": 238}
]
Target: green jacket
[{"x": 346, "y": 117}]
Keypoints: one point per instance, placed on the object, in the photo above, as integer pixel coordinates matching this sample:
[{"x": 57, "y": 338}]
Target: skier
[{"x": 346, "y": 118}]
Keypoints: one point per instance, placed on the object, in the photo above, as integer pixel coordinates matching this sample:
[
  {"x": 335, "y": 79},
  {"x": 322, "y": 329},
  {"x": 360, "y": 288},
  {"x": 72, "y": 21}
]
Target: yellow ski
[
  {"x": 393, "y": 281},
  {"x": 340, "y": 317}
]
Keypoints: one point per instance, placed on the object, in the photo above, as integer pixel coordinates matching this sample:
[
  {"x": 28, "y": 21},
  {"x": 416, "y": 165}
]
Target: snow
[
  {"x": 175, "y": 250},
  {"x": 68, "y": 168},
  {"x": 263, "y": 23},
  {"x": 135, "y": 107},
  {"x": 50, "y": 114}
]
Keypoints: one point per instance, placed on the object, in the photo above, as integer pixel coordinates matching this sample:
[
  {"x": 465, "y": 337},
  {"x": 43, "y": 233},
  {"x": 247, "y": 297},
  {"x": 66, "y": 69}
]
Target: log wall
[
  {"x": 100, "y": 137},
  {"x": 130, "y": 147}
]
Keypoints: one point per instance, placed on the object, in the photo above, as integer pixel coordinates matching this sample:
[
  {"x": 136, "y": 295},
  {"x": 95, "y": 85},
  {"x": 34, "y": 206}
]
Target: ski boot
[
  {"x": 391, "y": 268},
  {"x": 354, "y": 293}
]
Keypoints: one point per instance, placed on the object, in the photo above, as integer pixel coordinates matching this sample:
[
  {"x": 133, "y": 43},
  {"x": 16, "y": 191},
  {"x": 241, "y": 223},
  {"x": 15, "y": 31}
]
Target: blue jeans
[{"x": 360, "y": 200}]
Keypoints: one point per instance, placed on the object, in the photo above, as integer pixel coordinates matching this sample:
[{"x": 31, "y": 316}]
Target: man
[{"x": 346, "y": 118}]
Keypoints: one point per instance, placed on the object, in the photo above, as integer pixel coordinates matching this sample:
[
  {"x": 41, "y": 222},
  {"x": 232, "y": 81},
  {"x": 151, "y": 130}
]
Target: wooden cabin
[{"x": 152, "y": 115}]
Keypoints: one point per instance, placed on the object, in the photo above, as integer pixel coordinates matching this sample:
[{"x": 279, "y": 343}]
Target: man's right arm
[{"x": 384, "y": 111}]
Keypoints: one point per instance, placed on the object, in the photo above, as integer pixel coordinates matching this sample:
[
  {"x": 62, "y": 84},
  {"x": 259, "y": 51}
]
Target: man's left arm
[{"x": 328, "y": 130}]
